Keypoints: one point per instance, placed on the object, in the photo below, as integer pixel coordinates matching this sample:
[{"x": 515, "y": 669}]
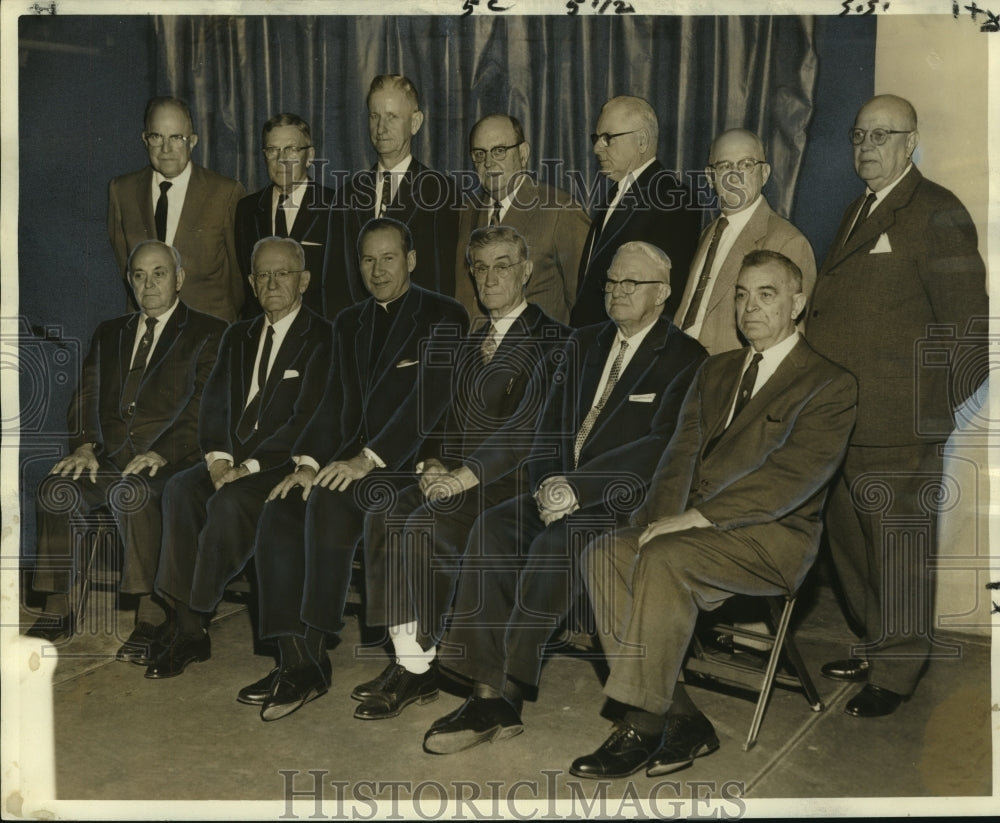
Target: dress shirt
[
  {"x": 175, "y": 198},
  {"x": 292, "y": 205},
  {"x": 771, "y": 359},
  {"x": 140, "y": 331},
  {"x": 503, "y": 325},
  {"x": 633, "y": 345},
  {"x": 879, "y": 197},
  {"x": 505, "y": 203},
  {"x": 623, "y": 186},
  {"x": 395, "y": 175}
]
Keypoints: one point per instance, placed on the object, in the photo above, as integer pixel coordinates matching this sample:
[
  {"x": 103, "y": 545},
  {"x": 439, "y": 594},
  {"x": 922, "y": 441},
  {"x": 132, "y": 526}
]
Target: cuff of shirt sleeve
[
  {"x": 251, "y": 465},
  {"x": 466, "y": 476},
  {"x": 211, "y": 457},
  {"x": 379, "y": 463},
  {"x": 305, "y": 460}
]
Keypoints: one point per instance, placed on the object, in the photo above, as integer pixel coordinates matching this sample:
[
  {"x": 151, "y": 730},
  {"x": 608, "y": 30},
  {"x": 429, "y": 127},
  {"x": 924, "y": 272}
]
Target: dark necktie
[
  {"x": 743, "y": 394},
  {"x": 595, "y": 410},
  {"x": 706, "y": 271},
  {"x": 489, "y": 345},
  {"x": 280, "y": 223},
  {"x": 251, "y": 414},
  {"x": 495, "y": 214},
  {"x": 160, "y": 217},
  {"x": 132, "y": 380},
  {"x": 386, "y": 193},
  {"x": 862, "y": 215}
]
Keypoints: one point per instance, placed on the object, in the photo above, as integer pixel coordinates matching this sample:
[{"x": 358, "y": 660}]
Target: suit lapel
[
  {"x": 404, "y": 203},
  {"x": 719, "y": 402},
  {"x": 144, "y": 201},
  {"x": 248, "y": 352},
  {"x": 126, "y": 342},
  {"x": 632, "y": 200},
  {"x": 167, "y": 338},
  {"x": 307, "y": 215},
  {"x": 194, "y": 203},
  {"x": 747, "y": 240},
  {"x": 291, "y": 345},
  {"x": 262, "y": 215},
  {"x": 402, "y": 327},
  {"x": 593, "y": 367},
  {"x": 363, "y": 340}
]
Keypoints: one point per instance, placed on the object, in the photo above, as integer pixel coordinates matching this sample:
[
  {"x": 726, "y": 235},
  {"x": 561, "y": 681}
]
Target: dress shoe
[
  {"x": 622, "y": 754},
  {"x": 143, "y": 645},
  {"x": 257, "y": 692},
  {"x": 873, "y": 701},
  {"x": 293, "y": 688},
  {"x": 370, "y": 688},
  {"x": 181, "y": 650},
  {"x": 853, "y": 669},
  {"x": 54, "y": 629},
  {"x": 687, "y": 736},
  {"x": 477, "y": 720},
  {"x": 401, "y": 688}
]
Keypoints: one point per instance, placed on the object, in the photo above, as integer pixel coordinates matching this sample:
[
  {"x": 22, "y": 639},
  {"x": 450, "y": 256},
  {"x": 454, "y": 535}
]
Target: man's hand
[
  {"x": 147, "y": 460},
  {"x": 450, "y": 483},
  {"x": 303, "y": 476},
  {"x": 339, "y": 474},
  {"x": 691, "y": 519},
  {"x": 556, "y": 499},
  {"x": 431, "y": 471},
  {"x": 218, "y": 471},
  {"x": 80, "y": 461}
]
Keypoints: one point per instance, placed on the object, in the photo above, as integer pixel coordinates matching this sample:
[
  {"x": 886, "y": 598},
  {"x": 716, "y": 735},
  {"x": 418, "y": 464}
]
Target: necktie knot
[
  {"x": 164, "y": 186},
  {"x": 489, "y": 346}
]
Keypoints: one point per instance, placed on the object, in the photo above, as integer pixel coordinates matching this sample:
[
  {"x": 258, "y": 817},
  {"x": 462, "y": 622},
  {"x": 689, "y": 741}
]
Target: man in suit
[
  {"x": 133, "y": 424},
  {"x": 738, "y": 170},
  {"x": 383, "y": 392},
  {"x": 551, "y": 222},
  {"x": 398, "y": 186},
  {"x": 734, "y": 508},
  {"x": 472, "y": 460},
  {"x": 185, "y": 206},
  {"x": 291, "y": 206},
  {"x": 264, "y": 388},
  {"x": 612, "y": 407},
  {"x": 905, "y": 257},
  {"x": 645, "y": 203}
]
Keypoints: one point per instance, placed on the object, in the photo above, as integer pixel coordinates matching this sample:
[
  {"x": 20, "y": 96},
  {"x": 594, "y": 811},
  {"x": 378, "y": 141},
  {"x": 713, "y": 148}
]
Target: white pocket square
[
  {"x": 641, "y": 398},
  {"x": 289, "y": 373},
  {"x": 882, "y": 246},
  {"x": 402, "y": 364}
]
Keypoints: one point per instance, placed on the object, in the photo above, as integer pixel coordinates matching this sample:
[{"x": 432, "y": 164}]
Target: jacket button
[{"x": 815, "y": 313}]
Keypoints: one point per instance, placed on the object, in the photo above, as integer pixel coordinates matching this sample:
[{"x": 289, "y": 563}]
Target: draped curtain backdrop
[{"x": 702, "y": 75}]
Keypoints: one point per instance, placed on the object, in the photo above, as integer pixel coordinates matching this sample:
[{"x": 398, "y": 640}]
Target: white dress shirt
[{"x": 175, "y": 198}]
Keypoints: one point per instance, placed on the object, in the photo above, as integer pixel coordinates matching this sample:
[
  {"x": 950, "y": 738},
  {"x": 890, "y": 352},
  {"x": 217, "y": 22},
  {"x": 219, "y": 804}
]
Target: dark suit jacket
[
  {"x": 631, "y": 432},
  {"x": 386, "y": 405},
  {"x": 764, "y": 230},
  {"x": 769, "y": 472},
  {"x": 166, "y": 407},
  {"x": 656, "y": 209},
  {"x": 292, "y": 391},
  {"x": 424, "y": 202},
  {"x": 310, "y": 229},
  {"x": 555, "y": 228},
  {"x": 871, "y": 310},
  {"x": 204, "y": 236}
]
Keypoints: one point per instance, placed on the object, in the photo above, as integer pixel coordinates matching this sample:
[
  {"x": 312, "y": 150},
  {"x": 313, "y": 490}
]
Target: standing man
[
  {"x": 183, "y": 205},
  {"x": 905, "y": 259},
  {"x": 291, "y": 206},
  {"x": 646, "y": 203},
  {"x": 734, "y": 508},
  {"x": 550, "y": 221},
  {"x": 134, "y": 424},
  {"x": 738, "y": 170},
  {"x": 400, "y": 187},
  {"x": 267, "y": 383}
]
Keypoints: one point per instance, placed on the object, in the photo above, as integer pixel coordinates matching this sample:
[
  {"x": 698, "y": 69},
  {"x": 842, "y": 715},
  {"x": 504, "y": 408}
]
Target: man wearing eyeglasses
[
  {"x": 905, "y": 261},
  {"x": 611, "y": 408},
  {"x": 738, "y": 170},
  {"x": 291, "y": 206},
  {"x": 184, "y": 205},
  {"x": 551, "y": 222},
  {"x": 265, "y": 386},
  {"x": 645, "y": 203}
]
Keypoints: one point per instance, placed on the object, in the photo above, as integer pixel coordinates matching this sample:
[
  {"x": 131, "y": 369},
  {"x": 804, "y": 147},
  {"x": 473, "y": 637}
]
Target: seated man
[
  {"x": 135, "y": 411},
  {"x": 267, "y": 383},
  {"x": 471, "y": 461},
  {"x": 519, "y": 574},
  {"x": 734, "y": 508},
  {"x": 380, "y": 397}
]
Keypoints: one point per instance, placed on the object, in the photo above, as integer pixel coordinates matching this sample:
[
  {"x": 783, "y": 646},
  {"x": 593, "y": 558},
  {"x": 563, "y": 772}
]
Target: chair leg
[
  {"x": 794, "y": 659},
  {"x": 92, "y": 542},
  {"x": 783, "y": 619}
]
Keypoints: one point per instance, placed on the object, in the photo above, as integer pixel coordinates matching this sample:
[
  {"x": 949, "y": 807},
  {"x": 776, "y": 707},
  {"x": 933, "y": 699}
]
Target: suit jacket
[
  {"x": 424, "y": 201},
  {"x": 914, "y": 262},
  {"x": 638, "y": 418},
  {"x": 555, "y": 228},
  {"x": 311, "y": 229},
  {"x": 768, "y": 473},
  {"x": 165, "y": 419},
  {"x": 204, "y": 237},
  {"x": 656, "y": 209},
  {"x": 764, "y": 230},
  {"x": 389, "y": 404},
  {"x": 292, "y": 391}
]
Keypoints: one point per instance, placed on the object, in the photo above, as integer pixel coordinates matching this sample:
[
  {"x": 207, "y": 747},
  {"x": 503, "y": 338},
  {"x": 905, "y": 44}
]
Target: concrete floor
[{"x": 121, "y": 737}]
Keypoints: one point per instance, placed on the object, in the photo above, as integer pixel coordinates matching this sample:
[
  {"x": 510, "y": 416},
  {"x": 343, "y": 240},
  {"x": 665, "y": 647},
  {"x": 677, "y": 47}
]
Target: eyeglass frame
[
  {"x": 281, "y": 275},
  {"x": 172, "y": 139},
  {"x": 627, "y": 290},
  {"x": 872, "y": 132},
  {"x": 500, "y": 269},
  {"x": 605, "y": 138},
  {"x": 735, "y": 167},
  {"x": 274, "y": 152},
  {"x": 492, "y": 150}
]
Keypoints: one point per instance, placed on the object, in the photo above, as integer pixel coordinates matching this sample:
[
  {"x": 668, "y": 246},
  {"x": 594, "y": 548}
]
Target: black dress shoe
[
  {"x": 257, "y": 692},
  {"x": 370, "y": 688},
  {"x": 853, "y": 669},
  {"x": 53, "y": 629},
  {"x": 293, "y": 688},
  {"x": 622, "y": 754},
  {"x": 687, "y": 736},
  {"x": 178, "y": 653},
  {"x": 477, "y": 720},
  {"x": 873, "y": 701},
  {"x": 401, "y": 688},
  {"x": 143, "y": 645}
]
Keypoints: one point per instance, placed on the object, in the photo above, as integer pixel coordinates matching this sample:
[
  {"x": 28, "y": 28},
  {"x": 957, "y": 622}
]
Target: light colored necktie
[
  {"x": 598, "y": 407},
  {"x": 706, "y": 271},
  {"x": 489, "y": 345}
]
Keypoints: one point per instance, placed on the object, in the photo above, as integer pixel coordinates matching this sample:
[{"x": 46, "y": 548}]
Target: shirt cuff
[
  {"x": 467, "y": 477},
  {"x": 211, "y": 457},
  {"x": 379, "y": 463},
  {"x": 305, "y": 460},
  {"x": 251, "y": 465}
]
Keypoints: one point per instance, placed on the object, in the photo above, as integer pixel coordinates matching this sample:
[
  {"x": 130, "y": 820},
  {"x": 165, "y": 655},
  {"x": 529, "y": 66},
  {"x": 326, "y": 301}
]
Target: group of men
[{"x": 674, "y": 448}]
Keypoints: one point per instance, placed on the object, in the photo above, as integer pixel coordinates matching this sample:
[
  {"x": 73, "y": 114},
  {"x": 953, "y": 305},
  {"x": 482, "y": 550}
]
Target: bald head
[
  {"x": 881, "y": 165},
  {"x": 738, "y": 169}
]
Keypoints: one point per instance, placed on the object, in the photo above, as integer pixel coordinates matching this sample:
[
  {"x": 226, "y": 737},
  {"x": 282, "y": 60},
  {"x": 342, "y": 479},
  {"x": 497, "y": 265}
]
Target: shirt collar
[
  {"x": 882, "y": 193},
  {"x": 504, "y": 323},
  {"x": 281, "y": 326},
  {"x": 162, "y": 319},
  {"x": 180, "y": 181},
  {"x": 399, "y": 168}
]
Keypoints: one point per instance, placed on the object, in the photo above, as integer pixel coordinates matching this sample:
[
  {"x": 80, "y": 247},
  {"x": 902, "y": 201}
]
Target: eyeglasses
[
  {"x": 628, "y": 286},
  {"x": 499, "y": 269},
  {"x": 878, "y": 136},
  {"x": 604, "y": 139},
  {"x": 281, "y": 276},
  {"x": 286, "y": 152},
  {"x": 155, "y": 139},
  {"x": 744, "y": 166},
  {"x": 497, "y": 153}
]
